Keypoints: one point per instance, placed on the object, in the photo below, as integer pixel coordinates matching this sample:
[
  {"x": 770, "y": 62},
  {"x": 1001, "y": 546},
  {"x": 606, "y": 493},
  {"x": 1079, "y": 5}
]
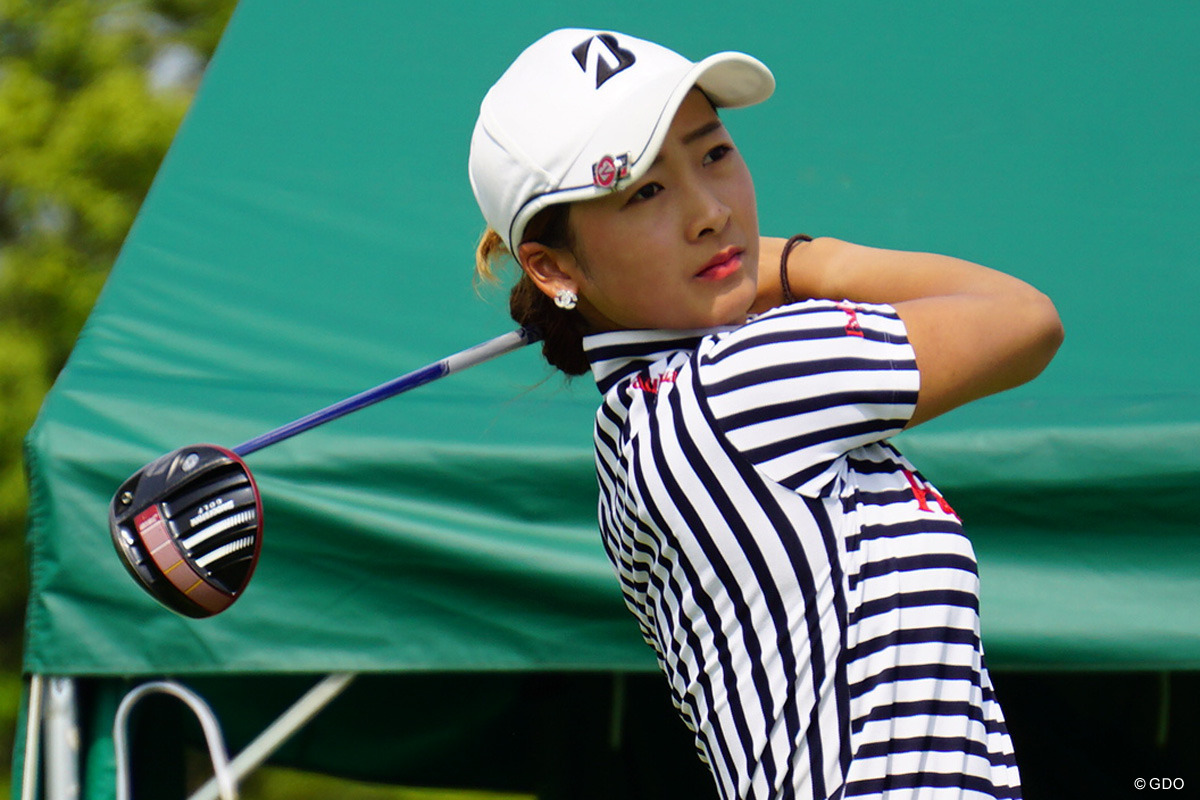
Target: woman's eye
[
  {"x": 646, "y": 192},
  {"x": 717, "y": 153}
]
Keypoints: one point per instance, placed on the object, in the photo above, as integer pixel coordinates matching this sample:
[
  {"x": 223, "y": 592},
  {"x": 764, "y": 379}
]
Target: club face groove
[{"x": 188, "y": 528}]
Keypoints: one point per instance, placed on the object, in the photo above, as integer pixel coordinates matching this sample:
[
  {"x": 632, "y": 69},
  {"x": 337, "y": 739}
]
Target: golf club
[{"x": 188, "y": 525}]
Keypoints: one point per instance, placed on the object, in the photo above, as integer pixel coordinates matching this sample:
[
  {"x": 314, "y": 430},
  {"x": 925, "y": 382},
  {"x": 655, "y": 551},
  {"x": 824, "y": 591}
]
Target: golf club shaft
[{"x": 456, "y": 362}]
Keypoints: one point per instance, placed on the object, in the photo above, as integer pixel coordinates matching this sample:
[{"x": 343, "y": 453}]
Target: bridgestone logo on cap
[
  {"x": 609, "y": 170},
  {"x": 604, "y": 70}
]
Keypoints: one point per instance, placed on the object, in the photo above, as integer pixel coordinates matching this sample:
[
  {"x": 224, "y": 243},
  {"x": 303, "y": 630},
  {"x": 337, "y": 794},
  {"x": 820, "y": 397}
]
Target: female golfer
[{"x": 811, "y": 598}]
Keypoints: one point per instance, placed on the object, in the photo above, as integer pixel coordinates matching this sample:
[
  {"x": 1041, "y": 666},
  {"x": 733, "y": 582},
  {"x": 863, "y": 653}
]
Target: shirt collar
[{"x": 616, "y": 355}]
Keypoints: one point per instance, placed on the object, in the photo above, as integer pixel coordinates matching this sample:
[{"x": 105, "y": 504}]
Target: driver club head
[{"x": 188, "y": 527}]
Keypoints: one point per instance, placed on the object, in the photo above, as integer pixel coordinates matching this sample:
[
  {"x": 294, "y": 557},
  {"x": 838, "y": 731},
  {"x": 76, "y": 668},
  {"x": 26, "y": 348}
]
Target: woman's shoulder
[{"x": 815, "y": 323}]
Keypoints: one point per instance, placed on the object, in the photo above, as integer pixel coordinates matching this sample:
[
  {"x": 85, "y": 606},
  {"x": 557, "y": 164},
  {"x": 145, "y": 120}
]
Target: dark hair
[{"x": 562, "y": 331}]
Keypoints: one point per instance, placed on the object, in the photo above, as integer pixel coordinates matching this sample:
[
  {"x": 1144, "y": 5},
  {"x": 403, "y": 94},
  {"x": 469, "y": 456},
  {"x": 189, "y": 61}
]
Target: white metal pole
[
  {"x": 226, "y": 784},
  {"x": 33, "y": 735},
  {"x": 279, "y": 731},
  {"x": 62, "y": 740}
]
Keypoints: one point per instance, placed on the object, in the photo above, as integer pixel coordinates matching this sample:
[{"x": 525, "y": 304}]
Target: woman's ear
[{"x": 549, "y": 268}]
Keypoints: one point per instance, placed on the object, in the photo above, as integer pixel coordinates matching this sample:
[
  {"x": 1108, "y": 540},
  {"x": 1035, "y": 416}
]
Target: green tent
[{"x": 311, "y": 232}]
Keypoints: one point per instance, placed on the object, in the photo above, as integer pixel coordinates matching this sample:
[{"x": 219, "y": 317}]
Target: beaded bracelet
[{"x": 783, "y": 262}]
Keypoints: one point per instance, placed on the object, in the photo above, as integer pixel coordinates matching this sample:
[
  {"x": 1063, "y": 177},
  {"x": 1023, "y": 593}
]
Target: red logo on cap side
[{"x": 608, "y": 170}]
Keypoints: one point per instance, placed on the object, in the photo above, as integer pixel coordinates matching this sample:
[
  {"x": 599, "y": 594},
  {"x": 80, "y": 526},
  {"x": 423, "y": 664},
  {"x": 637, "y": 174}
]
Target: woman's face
[{"x": 678, "y": 248}]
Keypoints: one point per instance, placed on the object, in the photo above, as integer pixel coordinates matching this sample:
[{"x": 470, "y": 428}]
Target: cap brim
[{"x": 734, "y": 80}]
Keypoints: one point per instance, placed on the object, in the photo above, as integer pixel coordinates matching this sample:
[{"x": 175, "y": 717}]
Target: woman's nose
[{"x": 709, "y": 214}]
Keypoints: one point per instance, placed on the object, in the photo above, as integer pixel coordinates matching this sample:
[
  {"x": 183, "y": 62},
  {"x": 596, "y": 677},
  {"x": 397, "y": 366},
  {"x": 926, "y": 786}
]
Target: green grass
[{"x": 277, "y": 783}]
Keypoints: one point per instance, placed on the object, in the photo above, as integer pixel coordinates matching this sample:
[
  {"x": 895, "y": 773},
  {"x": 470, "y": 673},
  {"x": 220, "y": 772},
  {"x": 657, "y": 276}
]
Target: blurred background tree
[{"x": 91, "y": 93}]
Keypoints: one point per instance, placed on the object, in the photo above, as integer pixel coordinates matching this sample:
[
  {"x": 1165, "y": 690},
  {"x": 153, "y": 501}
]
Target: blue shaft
[{"x": 418, "y": 377}]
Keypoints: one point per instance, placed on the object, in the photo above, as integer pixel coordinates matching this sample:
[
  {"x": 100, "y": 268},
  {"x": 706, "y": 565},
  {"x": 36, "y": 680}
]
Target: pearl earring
[{"x": 566, "y": 299}]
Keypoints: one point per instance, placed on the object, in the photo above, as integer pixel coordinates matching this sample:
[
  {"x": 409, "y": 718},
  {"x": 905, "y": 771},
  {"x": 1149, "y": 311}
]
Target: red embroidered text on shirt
[
  {"x": 651, "y": 384},
  {"x": 922, "y": 490},
  {"x": 853, "y": 328}
]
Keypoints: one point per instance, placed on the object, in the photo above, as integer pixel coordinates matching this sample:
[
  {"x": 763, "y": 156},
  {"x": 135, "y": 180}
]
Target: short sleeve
[{"x": 799, "y": 386}]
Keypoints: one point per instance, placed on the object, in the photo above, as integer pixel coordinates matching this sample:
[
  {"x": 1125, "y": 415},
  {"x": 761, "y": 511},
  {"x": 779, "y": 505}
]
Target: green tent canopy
[{"x": 311, "y": 232}]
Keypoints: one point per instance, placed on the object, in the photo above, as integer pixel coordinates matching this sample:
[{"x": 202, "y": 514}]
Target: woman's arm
[{"x": 975, "y": 331}]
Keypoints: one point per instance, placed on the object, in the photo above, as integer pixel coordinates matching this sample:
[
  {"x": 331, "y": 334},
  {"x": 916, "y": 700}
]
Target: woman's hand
[{"x": 975, "y": 331}]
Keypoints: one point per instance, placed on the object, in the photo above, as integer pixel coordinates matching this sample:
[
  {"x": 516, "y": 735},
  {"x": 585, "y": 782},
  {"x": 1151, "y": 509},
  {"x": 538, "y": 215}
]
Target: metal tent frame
[{"x": 52, "y": 729}]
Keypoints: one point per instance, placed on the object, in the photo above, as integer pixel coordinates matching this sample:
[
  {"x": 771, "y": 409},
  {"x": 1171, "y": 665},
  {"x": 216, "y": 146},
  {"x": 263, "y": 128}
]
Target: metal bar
[
  {"x": 62, "y": 740},
  {"x": 282, "y": 729},
  {"x": 33, "y": 731},
  {"x": 223, "y": 778}
]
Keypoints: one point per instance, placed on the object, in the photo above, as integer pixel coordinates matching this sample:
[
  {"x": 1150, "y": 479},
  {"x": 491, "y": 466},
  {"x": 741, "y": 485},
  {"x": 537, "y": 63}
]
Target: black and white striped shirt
[{"x": 811, "y": 598}]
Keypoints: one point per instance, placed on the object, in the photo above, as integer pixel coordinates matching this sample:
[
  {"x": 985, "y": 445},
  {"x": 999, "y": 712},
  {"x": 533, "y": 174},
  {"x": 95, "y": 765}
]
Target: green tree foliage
[{"x": 91, "y": 92}]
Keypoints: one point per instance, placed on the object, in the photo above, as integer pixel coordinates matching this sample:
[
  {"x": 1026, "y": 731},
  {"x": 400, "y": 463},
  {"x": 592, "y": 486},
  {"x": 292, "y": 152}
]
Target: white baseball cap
[{"x": 581, "y": 113}]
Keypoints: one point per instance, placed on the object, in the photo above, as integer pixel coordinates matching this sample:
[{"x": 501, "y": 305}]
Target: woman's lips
[{"x": 722, "y": 265}]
